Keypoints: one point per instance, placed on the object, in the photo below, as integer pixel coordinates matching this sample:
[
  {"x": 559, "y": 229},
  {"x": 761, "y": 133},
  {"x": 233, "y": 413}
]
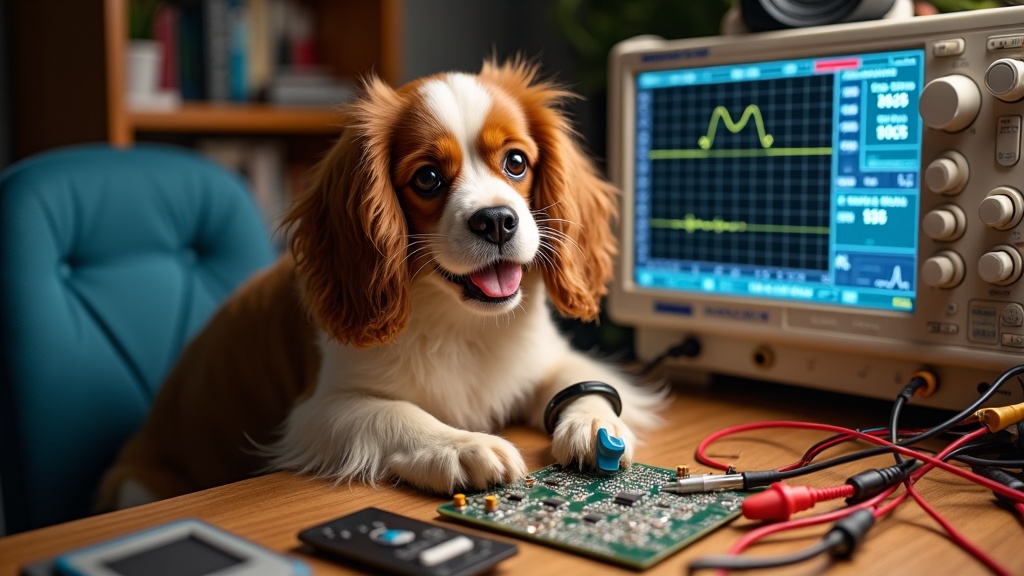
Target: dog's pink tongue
[{"x": 498, "y": 281}]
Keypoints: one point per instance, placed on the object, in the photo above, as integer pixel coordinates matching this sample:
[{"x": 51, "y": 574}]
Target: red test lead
[{"x": 780, "y": 501}]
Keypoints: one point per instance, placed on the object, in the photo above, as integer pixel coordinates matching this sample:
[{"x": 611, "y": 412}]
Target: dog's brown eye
[
  {"x": 427, "y": 181},
  {"x": 515, "y": 165}
]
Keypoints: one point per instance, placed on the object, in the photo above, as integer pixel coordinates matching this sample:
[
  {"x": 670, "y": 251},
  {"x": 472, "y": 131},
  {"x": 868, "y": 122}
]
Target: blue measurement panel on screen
[{"x": 793, "y": 179}]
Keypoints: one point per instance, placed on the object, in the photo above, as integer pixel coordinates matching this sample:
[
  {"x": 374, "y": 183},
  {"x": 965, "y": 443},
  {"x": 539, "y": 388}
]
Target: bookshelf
[
  {"x": 69, "y": 77},
  {"x": 233, "y": 119}
]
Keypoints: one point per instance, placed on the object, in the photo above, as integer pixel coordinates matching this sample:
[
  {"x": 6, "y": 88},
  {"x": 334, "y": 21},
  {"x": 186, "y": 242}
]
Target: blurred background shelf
[
  {"x": 236, "y": 119},
  {"x": 67, "y": 98}
]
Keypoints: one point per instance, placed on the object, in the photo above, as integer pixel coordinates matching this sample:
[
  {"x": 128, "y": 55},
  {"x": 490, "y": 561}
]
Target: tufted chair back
[{"x": 110, "y": 261}]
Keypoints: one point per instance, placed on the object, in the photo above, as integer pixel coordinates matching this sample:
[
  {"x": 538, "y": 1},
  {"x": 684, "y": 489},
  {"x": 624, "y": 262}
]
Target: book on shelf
[
  {"x": 308, "y": 87},
  {"x": 244, "y": 51},
  {"x": 165, "y": 32}
]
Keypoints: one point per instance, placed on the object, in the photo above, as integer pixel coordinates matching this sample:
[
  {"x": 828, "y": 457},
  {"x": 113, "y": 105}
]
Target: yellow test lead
[{"x": 996, "y": 419}]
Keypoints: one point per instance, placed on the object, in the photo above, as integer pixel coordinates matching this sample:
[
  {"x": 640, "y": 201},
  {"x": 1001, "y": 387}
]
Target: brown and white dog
[{"x": 413, "y": 321}]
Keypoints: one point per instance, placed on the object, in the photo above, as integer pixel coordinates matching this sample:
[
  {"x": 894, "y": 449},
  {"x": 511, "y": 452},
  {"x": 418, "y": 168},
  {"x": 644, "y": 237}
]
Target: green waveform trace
[
  {"x": 694, "y": 154},
  {"x": 691, "y": 224},
  {"x": 721, "y": 114}
]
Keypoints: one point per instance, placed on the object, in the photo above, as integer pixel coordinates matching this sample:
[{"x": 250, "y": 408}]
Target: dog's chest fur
[{"x": 468, "y": 371}]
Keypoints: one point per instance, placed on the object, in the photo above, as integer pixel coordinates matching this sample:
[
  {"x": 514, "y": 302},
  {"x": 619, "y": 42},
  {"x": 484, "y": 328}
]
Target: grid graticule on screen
[{"x": 773, "y": 191}]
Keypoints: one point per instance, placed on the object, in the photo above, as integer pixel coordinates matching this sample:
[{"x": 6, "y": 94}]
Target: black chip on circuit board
[
  {"x": 627, "y": 498},
  {"x": 553, "y": 502}
]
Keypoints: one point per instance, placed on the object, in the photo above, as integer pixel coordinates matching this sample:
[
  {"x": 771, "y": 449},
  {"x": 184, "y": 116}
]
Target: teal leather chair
[{"x": 110, "y": 261}]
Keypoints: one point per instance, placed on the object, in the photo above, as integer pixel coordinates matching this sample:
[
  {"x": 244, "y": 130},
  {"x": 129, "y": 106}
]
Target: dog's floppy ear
[
  {"x": 349, "y": 233},
  {"x": 579, "y": 206},
  {"x": 576, "y": 203}
]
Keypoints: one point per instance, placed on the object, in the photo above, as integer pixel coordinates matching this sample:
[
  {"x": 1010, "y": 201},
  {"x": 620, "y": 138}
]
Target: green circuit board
[{"x": 622, "y": 518}]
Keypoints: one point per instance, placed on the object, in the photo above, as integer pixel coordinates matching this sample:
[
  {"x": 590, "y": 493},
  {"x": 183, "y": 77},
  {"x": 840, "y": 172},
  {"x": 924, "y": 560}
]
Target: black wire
[
  {"x": 651, "y": 364},
  {"x": 975, "y": 461},
  {"x": 902, "y": 399},
  {"x": 725, "y": 562},
  {"x": 929, "y": 433},
  {"x": 813, "y": 452},
  {"x": 894, "y": 424},
  {"x": 976, "y": 449},
  {"x": 689, "y": 347}
]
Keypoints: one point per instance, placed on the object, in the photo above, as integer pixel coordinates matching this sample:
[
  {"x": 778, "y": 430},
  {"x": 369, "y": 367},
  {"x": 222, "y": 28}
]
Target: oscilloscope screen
[{"x": 792, "y": 179}]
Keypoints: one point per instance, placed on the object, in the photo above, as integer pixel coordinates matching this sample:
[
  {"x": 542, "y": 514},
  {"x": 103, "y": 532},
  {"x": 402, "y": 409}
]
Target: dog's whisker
[
  {"x": 561, "y": 237},
  {"x": 424, "y": 265},
  {"x": 549, "y": 206},
  {"x": 551, "y": 245},
  {"x": 544, "y": 257},
  {"x": 546, "y": 220},
  {"x": 413, "y": 253},
  {"x": 392, "y": 258},
  {"x": 553, "y": 231}
]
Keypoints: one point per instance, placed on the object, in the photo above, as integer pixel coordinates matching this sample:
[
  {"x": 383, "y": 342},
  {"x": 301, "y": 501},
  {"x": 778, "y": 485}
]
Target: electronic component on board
[{"x": 621, "y": 517}]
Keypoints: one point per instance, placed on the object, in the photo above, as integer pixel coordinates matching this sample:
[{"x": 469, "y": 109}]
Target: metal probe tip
[{"x": 695, "y": 484}]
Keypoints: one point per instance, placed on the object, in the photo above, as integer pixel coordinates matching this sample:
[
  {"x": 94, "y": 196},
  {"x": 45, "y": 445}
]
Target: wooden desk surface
[{"x": 272, "y": 509}]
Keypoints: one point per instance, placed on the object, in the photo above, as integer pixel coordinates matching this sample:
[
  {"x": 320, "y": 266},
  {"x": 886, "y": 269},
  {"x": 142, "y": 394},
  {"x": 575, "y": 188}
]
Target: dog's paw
[
  {"x": 470, "y": 460},
  {"x": 574, "y": 442}
]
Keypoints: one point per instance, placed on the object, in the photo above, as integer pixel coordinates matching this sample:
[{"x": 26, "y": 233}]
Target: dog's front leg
[
  {"x": 357, "y": 436},
  {"x": 574, "y": 440}
]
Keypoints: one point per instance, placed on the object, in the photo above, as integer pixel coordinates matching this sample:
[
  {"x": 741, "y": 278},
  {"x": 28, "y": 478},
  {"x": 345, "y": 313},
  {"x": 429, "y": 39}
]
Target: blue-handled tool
[{"x": 609, "y": 451}]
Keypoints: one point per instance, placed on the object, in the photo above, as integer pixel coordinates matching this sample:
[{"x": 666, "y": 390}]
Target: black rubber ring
[{"x": 566, "y": 395}]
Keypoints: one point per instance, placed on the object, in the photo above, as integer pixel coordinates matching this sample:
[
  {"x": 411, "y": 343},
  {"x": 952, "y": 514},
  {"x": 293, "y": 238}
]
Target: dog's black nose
[{"x": 497, "y": 224}]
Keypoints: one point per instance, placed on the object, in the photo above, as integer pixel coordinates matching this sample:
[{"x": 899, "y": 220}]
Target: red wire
[
  {"x": 880, "y": 510},
  {"x": 952, "y": 532},
  {"x": 810, "y": 455},
  {"x": 955, "y": 535},
  {"x": 769, "y": 529},
  {"x": 990, "y": 484},
  {"x": 756, "y": 534}
]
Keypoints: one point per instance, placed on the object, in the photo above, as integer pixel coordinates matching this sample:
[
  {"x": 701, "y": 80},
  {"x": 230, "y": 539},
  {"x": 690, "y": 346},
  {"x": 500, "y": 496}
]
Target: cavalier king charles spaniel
[{"x": 411, "y": 320}]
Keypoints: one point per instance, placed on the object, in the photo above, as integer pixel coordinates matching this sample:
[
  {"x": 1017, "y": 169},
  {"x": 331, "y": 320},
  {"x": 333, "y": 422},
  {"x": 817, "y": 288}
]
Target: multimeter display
[
  {"x": 182, "y": 548},
  {"x": 189, "y": 556}
]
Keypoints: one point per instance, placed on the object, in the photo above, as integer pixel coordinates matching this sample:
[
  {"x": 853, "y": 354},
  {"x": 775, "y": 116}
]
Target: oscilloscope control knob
[
  {"x": 943, "y": 270},
  {"x": 945, "y": 223},
  {"x": 1005, "y": 79},
  {"x": 950, "y": 103},
  {"x": 1002, "y": 209},
  {"x": 1000, "y": 266},
  {"x": 947, "y": 174}
]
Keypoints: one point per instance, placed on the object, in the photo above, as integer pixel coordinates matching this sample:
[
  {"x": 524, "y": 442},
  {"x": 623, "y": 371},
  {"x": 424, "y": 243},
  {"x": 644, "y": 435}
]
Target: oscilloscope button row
[{"x": 1005, "y": 42}]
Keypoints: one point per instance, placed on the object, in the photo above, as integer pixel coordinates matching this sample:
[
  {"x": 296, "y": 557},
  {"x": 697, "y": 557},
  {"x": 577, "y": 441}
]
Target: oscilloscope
[{"x": 834, "y": 207}]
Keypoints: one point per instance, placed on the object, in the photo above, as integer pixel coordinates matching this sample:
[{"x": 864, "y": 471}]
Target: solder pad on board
[{"x": 622, "y": 518}]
